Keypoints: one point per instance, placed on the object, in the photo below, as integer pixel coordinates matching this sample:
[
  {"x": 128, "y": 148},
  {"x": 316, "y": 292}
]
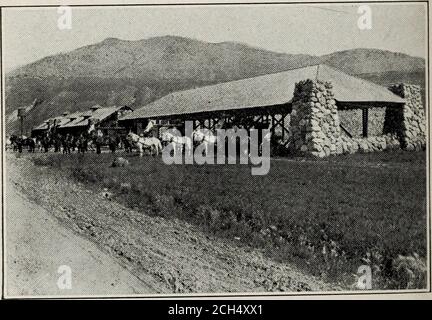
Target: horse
[
  {"x": 126, "y": 144},
  {"x": 112, "y": 143},
  {"x": 13, "y": 143},
  {"x": 149, "y": 126},
  {"x": 39, "y": 144},
  {"x": 30, "y": 143},
  {"x": 142, "y": 143},
  {"x": 67, "y": 144},
  {"x": 17, "y": 142},
  {"x": 46, "y": 142},
  {"x": 266, "y": 138},
  {"x": 203, "y": 137},
  {"x": 9, "y": 144},
  {"x": 98, "y": 140},
  {"x": 57, "y": 143},
  {"x": 178, "y": 142},
  {"x": 82, "y": 144}
]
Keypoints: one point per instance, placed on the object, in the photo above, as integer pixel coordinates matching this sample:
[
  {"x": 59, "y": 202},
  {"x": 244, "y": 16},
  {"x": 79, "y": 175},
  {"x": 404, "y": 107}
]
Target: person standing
[{"x": 112, "y": 143}]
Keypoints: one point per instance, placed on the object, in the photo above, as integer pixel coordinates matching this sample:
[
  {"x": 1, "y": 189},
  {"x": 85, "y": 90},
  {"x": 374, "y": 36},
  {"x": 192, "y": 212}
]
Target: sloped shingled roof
[
  {"x": 79, "y": 119},
  {"x": 83, "y": 118},
  {"x": 266, "y": 90},
  {"x": 59, "y": 121}
]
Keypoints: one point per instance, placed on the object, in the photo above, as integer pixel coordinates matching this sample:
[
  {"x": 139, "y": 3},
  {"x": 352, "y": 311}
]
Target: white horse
[
  {"x": 8, "y": 143},
  {"x": 142, "y": 143},
  {"x": 91, "y": 128},
  {"x": 150, "y": 125},
  {"x": 178, "y": 142},
  {"x": 266, "y": 138},
  {"x": 204, "y": 137}
]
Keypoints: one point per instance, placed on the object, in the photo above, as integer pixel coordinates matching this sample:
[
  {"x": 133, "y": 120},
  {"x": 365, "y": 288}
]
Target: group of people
[{"x": 68, "y": 143}]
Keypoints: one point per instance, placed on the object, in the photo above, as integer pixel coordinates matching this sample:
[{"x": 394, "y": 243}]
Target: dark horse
[
  {"x": 46, "y": 142},
  {"x": 17, "y": 143},
  {"x": 127, "y": 144},
  {"x": 30, "y": 143},
  {"x": 82, "y": 144},
  {"x": 67, "y": 142}
]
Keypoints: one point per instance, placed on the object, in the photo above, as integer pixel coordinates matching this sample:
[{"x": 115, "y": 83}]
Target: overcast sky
[{"x": 31, "y": 34}]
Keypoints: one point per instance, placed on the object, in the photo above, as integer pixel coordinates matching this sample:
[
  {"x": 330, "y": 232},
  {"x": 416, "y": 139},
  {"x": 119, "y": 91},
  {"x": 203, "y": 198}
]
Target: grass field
[{"x": 327, "y": 216}]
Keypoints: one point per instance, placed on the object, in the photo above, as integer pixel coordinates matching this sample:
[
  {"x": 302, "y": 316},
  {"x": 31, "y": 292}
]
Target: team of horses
[
  {"x": 66, "y": 143},
  {"x": 179, "y": 143},
  {"x": 17, "y": 143},
  {"x": 95, "y": 140}
]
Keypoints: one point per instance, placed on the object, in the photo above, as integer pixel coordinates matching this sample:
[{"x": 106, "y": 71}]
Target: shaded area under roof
[{"x": 266, "y": 90}]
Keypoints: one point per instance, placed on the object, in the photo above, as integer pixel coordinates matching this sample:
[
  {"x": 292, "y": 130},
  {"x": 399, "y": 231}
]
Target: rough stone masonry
[
  {"x": 315, "y": 120},
  {"x": 316, "y": 131},
  {"x": 411, "y": 123}
]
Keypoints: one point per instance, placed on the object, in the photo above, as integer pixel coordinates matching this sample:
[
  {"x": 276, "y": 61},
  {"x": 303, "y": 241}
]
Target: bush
[{"x": 409, "y": 272}]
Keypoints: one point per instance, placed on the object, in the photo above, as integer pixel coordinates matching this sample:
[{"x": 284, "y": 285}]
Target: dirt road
[
  {"x": 40, "y": 251},
  {"x": 116, "y": 250}
]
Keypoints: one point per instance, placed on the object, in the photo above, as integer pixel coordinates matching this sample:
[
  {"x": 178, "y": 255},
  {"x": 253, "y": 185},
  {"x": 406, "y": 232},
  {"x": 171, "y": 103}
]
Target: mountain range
[{"x": 123, "y": 72}]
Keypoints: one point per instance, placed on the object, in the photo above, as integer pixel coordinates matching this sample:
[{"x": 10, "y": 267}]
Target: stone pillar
[
  {"x": 410, "y": 122},
  {"x": 315, "y": 120}
]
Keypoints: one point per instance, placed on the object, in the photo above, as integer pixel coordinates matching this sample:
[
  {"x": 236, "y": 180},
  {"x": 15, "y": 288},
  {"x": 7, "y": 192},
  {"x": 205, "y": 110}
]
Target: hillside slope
[
  {"x": 358, "y": 61},
  {"x": 121, "y": 72}
]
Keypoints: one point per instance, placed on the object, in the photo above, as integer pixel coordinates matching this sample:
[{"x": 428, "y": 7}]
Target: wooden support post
[
  {"x": 215, "y": 123},
  {"x": 272, "y": 124},
  {"x": 365, "y": 118},
  {"x": 283, "y": 126}
]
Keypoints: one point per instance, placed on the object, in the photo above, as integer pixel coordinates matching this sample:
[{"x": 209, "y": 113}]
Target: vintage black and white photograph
[{"x": 215, "y": 149}]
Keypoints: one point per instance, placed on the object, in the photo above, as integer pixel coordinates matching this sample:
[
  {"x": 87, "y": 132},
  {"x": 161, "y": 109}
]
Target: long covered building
[
  {"x": 103, "y": 118},
  {"x": 314, "y": 110}
]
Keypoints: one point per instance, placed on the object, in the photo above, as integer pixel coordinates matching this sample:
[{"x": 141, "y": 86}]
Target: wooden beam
[
  {"x": 367, "y": 104},
  {"x": 275, "y": 122},
  {"x": 345, "y": 130}
]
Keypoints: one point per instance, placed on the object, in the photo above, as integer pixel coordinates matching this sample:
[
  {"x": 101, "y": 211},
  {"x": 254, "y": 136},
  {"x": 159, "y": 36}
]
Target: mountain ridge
[
  {"x": 136, "y": 72},
  {"x": 178, "y": 43}
]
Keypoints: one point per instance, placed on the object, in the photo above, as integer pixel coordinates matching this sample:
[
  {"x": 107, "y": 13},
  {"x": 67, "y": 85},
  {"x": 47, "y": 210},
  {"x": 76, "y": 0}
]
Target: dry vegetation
[{"x": 327, "y": 216}]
